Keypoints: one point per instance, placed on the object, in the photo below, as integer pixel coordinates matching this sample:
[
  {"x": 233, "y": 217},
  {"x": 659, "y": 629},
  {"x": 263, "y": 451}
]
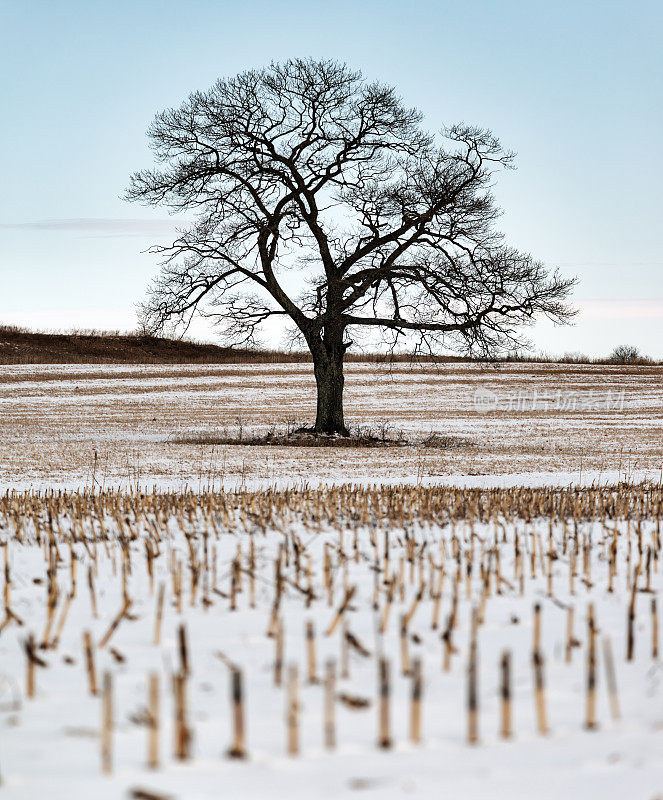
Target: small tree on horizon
[
  {"x": 625, "y": 354},
  {"x": 305, "y": 165}
]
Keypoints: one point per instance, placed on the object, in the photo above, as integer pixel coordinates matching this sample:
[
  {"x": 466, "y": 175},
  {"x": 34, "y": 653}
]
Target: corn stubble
[{"x": 430, "y": 561}]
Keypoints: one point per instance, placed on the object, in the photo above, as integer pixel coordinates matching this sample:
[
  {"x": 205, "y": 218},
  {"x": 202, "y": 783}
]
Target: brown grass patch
[{"x": 303, "y": 437}]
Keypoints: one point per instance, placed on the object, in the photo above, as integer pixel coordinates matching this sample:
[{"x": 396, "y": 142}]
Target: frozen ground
[
  {"x": 50, "y": 745},
  {"x": 577, "y": 421},
  {"x": 76, "y": 427}
]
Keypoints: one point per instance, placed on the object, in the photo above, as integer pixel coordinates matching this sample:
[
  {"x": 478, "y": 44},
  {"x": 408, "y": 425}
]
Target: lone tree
[
  {"x": 305, "y": 165},
  {"x": 625, "y": 354}
]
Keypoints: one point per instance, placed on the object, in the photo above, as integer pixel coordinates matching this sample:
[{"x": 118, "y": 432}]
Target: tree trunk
[{"x": 328, "y": 369}]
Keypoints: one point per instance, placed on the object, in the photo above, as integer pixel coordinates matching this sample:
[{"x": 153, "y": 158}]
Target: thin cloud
[
  {"x": 98, "y": 228},
  {"x": 635, "y": 308},
  {"x": 609, "y": 263}
]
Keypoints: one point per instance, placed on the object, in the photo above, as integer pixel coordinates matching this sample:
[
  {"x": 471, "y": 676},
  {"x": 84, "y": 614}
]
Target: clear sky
[{"x": 575, "y": 88}]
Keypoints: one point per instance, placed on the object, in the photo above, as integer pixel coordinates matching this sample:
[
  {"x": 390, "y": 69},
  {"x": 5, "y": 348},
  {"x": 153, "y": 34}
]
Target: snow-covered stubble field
[
  {"x": 117, "y": 495},
  {"x": 557, "y": 423},
  {"x": 444, "y": 580}
]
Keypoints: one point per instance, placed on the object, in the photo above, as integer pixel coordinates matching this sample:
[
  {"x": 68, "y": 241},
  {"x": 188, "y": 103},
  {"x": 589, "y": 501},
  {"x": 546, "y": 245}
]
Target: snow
[
  {"x": 49, "y": 746},
  {"x": 586, "y": 477},
  {"x": 53, "y": 418}
]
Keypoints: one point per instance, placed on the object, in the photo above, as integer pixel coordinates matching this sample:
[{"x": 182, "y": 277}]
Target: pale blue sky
[{"x": 574, "y": 87}]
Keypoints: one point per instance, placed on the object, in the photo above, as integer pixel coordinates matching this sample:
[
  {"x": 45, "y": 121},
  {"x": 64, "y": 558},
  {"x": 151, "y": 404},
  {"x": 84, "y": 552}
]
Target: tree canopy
[{"x": 305, "y": 165}]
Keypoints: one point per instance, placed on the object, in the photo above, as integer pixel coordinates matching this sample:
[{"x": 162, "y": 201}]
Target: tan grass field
[{"x": 507, "y": 419}]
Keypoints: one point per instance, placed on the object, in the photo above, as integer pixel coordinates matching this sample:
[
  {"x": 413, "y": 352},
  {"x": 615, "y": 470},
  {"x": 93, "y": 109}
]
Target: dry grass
[{"x": 288, "y": 436}]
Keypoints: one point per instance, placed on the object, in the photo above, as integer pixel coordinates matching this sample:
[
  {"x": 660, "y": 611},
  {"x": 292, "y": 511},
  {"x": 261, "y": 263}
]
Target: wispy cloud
[
  {"x": 100, "y": 227},
  {"x": 634, "y": 308}
]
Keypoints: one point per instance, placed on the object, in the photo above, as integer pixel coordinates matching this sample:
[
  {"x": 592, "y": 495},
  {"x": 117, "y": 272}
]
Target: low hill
[{"x": 19, "y": 346}]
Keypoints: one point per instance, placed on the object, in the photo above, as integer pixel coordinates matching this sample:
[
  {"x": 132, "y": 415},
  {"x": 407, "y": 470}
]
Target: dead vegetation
[{"x": 289, "y": 436}]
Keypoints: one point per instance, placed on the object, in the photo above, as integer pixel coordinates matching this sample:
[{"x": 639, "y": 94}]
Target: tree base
[{"x": 322, "y": 431}]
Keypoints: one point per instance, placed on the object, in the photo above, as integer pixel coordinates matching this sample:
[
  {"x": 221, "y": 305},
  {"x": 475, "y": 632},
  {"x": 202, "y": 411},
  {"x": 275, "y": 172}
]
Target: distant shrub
[
  {"x": 626, "y": 354},
  {"x": 574, "y": 358}
]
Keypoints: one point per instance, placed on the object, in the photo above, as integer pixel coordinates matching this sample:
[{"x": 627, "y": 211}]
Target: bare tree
[
  {"x": 626, "y": 354},
  {"x": 306, "y": 166}
]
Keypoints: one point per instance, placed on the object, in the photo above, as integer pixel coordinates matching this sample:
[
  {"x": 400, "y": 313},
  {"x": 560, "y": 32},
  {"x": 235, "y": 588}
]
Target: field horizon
[{"x": 20, "y": 345}]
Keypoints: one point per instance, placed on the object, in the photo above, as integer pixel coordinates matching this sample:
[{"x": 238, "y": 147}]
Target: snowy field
[
  {"x": 403, "y": 575},
  {"x": 149, "y": 573},
  {"x": 74, "y": 426}
]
